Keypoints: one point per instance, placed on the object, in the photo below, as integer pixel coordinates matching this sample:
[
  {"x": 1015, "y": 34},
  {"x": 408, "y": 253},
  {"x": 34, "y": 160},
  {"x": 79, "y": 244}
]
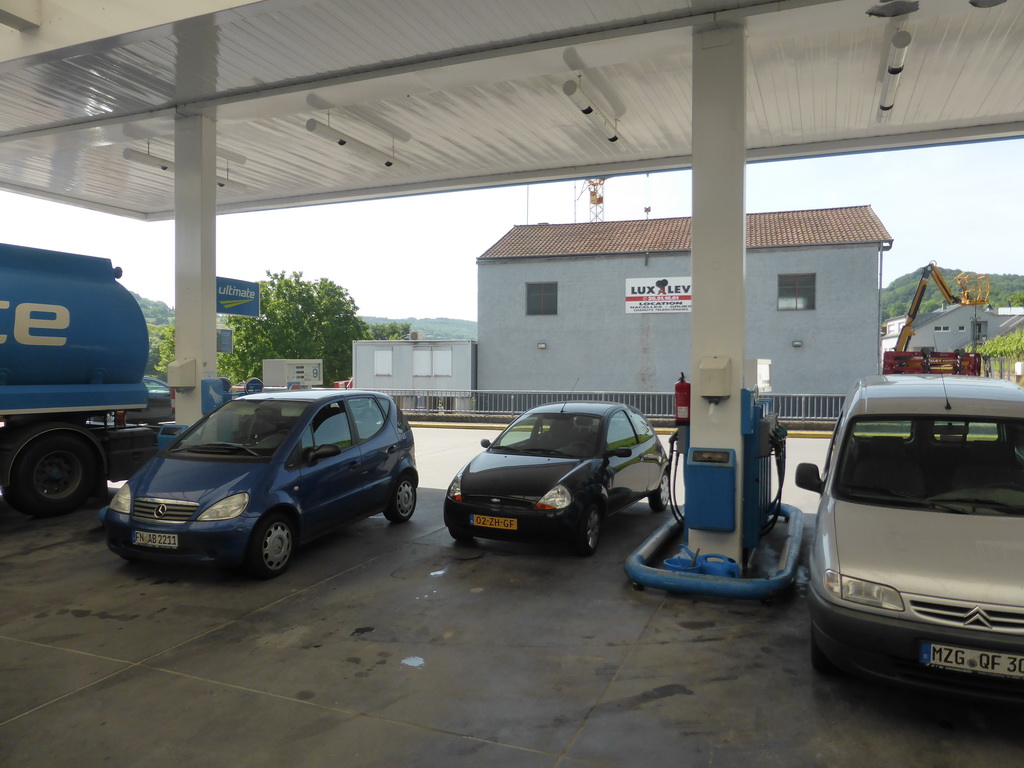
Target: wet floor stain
[{"x": 655, "y": 694}]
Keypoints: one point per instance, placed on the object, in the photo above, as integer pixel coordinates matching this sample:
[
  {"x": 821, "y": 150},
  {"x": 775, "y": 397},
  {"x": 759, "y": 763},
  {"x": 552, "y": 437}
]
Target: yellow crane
[
  {"x": 974, "y": 289},
  {"x": 596, "y": 188}
]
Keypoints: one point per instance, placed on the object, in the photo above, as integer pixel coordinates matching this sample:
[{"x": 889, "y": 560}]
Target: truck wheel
[{"x": 52, "y": 476}]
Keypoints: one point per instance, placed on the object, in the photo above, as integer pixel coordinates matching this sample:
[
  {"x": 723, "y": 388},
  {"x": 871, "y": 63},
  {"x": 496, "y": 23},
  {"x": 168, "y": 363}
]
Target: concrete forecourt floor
[{"x": 393, "y": 646}]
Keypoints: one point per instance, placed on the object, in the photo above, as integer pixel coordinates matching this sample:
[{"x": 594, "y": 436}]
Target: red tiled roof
[{"x": 826, "y": 226}]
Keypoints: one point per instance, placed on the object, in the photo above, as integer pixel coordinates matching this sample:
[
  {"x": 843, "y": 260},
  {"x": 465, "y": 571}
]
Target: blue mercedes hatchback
[{"x": 264, "y": 473}]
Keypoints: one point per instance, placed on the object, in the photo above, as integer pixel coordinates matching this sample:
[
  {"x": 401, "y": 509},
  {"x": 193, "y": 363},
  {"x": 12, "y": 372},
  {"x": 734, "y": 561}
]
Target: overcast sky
[{"x": 959, "y": 206}]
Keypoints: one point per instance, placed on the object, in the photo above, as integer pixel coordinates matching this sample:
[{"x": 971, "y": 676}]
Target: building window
[
  {"x": 382, "y": 362},
  {"x": 542, "y": 298},
  {"x": 796, "y": 291},
  {"x": 432, "y": 361},
  {"x": 421, "y": 362},
  {"x": 941, "y": 328}
]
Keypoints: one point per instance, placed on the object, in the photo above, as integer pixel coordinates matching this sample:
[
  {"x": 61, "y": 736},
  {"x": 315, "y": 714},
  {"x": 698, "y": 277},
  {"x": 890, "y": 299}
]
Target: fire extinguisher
[{"x": 682, "y": 402}]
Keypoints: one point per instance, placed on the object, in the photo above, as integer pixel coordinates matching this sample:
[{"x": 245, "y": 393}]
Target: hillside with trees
[
  {"x": 1007, "y": 291},
  {"x": 155, "y": 312},
  {"x": 433, "y": 327}
]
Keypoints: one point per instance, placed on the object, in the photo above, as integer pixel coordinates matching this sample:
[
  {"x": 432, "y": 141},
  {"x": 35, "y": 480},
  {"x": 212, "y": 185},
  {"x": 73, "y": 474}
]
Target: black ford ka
[{"x": 558, "y": 471}]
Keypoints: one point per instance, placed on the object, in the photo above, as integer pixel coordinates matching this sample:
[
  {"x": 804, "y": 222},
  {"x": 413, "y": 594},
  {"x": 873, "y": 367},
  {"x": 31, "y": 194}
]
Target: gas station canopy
[{"x": 331, "y": 100}]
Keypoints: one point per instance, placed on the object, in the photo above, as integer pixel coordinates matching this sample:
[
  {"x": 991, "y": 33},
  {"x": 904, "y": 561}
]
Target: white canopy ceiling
[{"x": 467, "y": 93}]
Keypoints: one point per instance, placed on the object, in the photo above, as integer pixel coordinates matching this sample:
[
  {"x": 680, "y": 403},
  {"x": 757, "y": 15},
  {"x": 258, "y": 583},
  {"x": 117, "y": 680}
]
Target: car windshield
[
  {"x": 243, "y": 428},
  {"x": 551, "y": 434},
  {"x": 964, "y": 466}
]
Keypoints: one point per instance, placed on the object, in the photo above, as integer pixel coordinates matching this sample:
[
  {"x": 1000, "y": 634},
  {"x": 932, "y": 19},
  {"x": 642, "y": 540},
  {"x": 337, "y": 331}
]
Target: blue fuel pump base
[{"x": 645, "y": 575}]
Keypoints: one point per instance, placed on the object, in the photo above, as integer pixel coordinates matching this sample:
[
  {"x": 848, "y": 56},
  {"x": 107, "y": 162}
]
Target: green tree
[
  {"x": 156, "y": 333},
  {"x": 162, "y": 353},
  {"x": 389, "y": 331},
  {"x": 1016, "y": 299},
  {"x": 298, "y": 319}
]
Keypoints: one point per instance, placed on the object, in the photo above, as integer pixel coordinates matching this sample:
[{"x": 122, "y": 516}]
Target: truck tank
[
  {"x": 65, "y": 320},
  {"x": 73, "y": 349}
]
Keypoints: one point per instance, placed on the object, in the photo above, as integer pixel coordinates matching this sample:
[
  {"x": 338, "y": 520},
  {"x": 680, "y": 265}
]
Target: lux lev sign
[{"x": 662, "y": 294}]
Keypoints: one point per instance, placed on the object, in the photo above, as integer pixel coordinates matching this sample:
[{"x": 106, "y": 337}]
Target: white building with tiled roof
[{"x": 606, "y": 306}]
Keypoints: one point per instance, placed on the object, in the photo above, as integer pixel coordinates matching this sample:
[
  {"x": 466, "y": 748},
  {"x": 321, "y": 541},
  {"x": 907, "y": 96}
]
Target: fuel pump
[{"x": 710, "y": 478}]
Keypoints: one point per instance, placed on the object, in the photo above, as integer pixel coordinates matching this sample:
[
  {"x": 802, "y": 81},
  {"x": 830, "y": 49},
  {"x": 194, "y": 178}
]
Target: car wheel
[
  {"x": 52, "y": 476},
  {"x": 460, "y": 534},
  {"x": 403, "y": 500},
  {"x": 271, "y": 546},
  {"x": 821, "y": 663},
  {"x": 659, "y": 498},
  {"x": 588, "y": 531}
]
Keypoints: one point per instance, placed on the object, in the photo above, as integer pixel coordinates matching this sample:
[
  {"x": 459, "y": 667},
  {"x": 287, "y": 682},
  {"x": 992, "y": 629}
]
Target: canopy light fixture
[
  {"x": 233, "y": 186},
  {"x": 893, "y": 69},
  {"x": 890, "y": 9},
  {"x": 144, "y": 158},
  {"x": 364, "y": 150},
  {"x": 572, "y": 89}
]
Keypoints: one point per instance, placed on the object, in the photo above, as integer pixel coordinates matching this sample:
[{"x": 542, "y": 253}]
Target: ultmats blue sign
[{"x": 238, "y": 297}]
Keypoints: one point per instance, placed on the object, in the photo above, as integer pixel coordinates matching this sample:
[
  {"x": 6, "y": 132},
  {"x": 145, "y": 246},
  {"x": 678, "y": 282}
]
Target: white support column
[
  {"x": 719, "y": 249},
  {"x": 195, "y": 284}
]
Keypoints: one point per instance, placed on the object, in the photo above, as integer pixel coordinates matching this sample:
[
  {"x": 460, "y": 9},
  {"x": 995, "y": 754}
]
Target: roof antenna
[
  {"x": 942, "y": 378},
  {"x": 562, "y": 409}
]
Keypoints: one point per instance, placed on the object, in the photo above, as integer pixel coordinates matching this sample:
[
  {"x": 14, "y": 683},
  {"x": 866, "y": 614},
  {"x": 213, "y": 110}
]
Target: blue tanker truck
[{"x": 73, "y": 350}]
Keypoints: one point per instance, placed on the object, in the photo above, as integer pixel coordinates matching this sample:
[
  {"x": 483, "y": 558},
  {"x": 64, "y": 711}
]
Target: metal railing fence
[
  {"x": 1006, "y": 368},
  {"x": 821, "y": 408}
]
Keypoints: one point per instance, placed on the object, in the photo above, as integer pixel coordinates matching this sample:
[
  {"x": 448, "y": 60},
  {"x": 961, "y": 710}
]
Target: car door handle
[{"x": 392, "y": 448}]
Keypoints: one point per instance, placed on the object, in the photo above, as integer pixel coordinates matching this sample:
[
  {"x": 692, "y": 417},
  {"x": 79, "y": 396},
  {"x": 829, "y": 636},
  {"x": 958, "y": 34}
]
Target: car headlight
[
  {"x": 558, "y": 497},
  {"x": 122, "y": 501},
  {"x": 225, "y": 509},
  {"x": 455, "y": 489},
  {"x": 862, "y": 592}
]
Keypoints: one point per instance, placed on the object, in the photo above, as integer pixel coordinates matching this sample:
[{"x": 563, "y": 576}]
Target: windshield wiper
[
  {"x": 223, "y": 448},
  {"x": 975, "y": 503},
  {"x": 891, "y": 493}
]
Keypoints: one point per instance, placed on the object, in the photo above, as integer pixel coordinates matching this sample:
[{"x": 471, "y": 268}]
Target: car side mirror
[
  {"x": 324, "y": 451},
  {"x": 485, "y": 443},
  {"x": 808, "y": 477}
]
